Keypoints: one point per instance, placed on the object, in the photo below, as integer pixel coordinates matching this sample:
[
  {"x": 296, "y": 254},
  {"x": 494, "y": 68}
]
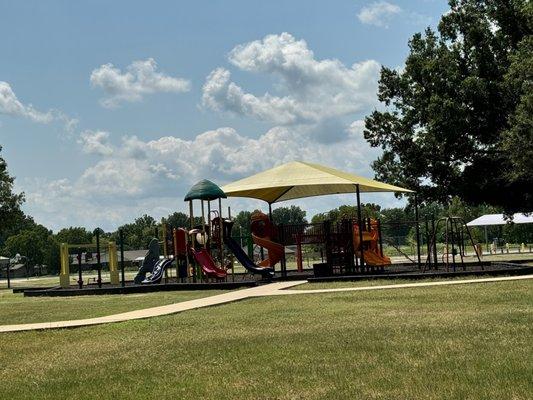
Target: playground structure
[
  {"x": 296, "y": 180},
  {"x": 372, "y": 244},
  {"x": 263, "y": 233},
  {"x": 83, "y": 250},
  {"x": 455, "y": 230},
  {"x": 209, "y": 238},
  {"x": 265, "y": 272},
  {"x": 198, "y": 243},
  {"x": 205, "y": 251},
  {"x": 150, "y": 260}
]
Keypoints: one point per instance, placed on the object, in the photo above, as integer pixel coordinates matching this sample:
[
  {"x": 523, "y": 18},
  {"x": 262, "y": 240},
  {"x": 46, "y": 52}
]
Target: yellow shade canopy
[{"x": 299, "y": 179}]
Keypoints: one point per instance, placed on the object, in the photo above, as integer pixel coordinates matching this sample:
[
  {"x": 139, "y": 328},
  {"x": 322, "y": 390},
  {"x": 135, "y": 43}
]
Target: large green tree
[
  {"x": 181, "y": 220},
  {"x": 457, "y": 118},
  {"x": 292, "y": 215},
  {"x": 74, "y": 235},
  {"x": 241, "y": 226},
  {"x": 137, "y": 235},
  {"x": 37, "y": 244},
  {"x": 518, "y": 139},
  {"x": 10, "y": 202},
  {"x": 177, "y": 220},
  {"x": 368, "y": 210}
]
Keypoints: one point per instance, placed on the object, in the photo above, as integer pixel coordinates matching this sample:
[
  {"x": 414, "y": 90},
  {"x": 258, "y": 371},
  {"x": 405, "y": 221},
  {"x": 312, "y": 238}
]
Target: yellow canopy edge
[{"x": 298, "y": 179}]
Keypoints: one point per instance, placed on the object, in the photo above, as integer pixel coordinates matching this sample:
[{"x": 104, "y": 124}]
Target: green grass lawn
[
  {"x": 17, "y": 309},
  {"x": 53, "y": 280},
  {"x": 454, "y": 342},
  {"x": 372, "y": 282}
]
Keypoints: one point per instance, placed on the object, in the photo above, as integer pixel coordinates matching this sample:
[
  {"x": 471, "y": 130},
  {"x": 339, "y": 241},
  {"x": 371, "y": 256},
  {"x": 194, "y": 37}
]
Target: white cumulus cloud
[
  {"x": 379, "y": 13},
  {"x": 220, "y": 94},
  {"x": 95, "y": 142},
  {"x": 313, "y": 89},
  {"x": 139, "y": 176},
  {"x": 140, "y": 78},
  {"x": 11, "y": 105}
]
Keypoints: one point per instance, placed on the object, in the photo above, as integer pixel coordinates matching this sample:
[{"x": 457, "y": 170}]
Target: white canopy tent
[{"x": 498, "y": 219}]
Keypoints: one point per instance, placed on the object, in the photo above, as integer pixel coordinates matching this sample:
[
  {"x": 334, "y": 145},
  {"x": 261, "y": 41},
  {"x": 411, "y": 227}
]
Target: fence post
[
  {"x": 327, "y": 241},
  {"x": 417, "y": 228},
  {"x": 8, "y": 273},
  {"x": 434, "y": 249},
  {"x": 281, "y": 231},
  {"x": 98, "y": 259},
  {"x": 80, "y": 272},
  {"x": 360, "y": 226},
  {"x": 428, "y": 246},
  {"x": 380, "y": 238}
]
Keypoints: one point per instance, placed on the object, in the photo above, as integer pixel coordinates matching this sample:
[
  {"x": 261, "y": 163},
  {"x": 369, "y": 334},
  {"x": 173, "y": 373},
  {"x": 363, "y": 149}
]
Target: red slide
[
  {"x": 275, "y": 251},
  {"x": 209, "y": 268}
]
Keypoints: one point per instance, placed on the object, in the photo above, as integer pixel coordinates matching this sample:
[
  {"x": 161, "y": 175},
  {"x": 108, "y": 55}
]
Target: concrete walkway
[{"x": 272, "y": 289}]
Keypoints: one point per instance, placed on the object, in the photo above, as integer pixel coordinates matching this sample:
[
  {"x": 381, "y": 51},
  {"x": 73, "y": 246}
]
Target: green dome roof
[{"x": 205, "y": 190}]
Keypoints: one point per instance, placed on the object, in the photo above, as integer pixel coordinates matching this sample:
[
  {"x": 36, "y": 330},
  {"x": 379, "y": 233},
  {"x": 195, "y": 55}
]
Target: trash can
[{"x": 321, "y": 270}]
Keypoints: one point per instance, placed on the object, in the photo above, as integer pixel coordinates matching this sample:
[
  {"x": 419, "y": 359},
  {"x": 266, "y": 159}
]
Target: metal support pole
[
  {"x": 8, "y": 273},
  {"x": 209, "y": 227},
  {"x": 232, "y": 260},
  {"x": 164, "y": 230},
  {"x": 98, "y": 263},
  {"x": 123, "y": 275},
  {"x": 203, "y": 225},
  {"x": 360, "y": 225},
  {"x": 380, "y": 238},
  {"x": 191, "y": 226},
  {"x": 452, "y": 237},
  {"x": 487, "y": 239},
  {"x": 204, "y": 236},
  {"x": 434, "y": 249},
  {"x": 221, "y": 234},
  {"x": 326, "y": 227},
  {"x": 417, "y": 228},
  {"x": 283, "y": 259},
  {"x": 426, "y": 225},
  {"x": 191, "y": 215},
  {"x": 270, "y": 212},
  {"x": 80, "y": 276}
]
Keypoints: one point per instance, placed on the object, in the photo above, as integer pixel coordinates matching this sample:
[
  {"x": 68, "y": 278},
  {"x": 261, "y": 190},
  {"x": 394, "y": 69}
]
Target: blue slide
[
  {"x": 234, "y": 247},
  {"x": 159, "y": 270}
]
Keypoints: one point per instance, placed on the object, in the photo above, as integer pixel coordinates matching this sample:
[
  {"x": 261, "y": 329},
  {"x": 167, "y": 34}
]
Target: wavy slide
[
  {"x": 158, "y": 271},
  {"x": 275, "y": 251},
  {"x": 234, "y": 247}
]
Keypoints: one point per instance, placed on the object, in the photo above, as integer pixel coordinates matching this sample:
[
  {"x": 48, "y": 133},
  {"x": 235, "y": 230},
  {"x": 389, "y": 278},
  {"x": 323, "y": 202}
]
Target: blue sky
[{"x": 109, "y": 110}]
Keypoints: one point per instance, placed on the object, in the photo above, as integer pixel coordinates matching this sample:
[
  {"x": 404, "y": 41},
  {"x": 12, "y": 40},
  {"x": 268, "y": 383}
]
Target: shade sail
[
  {"x": 299, "y": 179},
  {"x": 498, "y": 219}
]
